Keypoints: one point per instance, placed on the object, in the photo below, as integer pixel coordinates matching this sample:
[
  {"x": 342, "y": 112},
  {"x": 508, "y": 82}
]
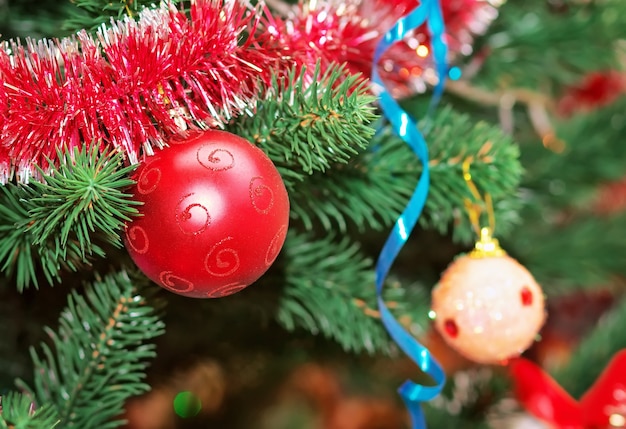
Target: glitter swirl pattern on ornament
[{"x": 222, "y": 261}]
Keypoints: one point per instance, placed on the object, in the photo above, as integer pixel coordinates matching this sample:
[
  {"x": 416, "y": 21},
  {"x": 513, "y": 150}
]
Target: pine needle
[
  {"x": 18, "y": 412},
  {"x": 373, "y": 189},
  {"x": 86, "y": 193},
  {"x": 60, "y": 223},
  {"x": 98, "y": 354},
  {"x": 327, "y": 302},
  {"x": 17, "y": 255},
  {"x": 91, "y": 14},
  {"x": 307, "y": 124}
]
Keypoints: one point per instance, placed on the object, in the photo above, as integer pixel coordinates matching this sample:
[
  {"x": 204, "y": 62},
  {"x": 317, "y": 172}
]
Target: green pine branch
[
  {"x": 362, "y": 194},
  {"x": 307, "y": 123},
  {"x": 330, "y": 291},
  {"x": 534, "y": 46},
  {"x": 371, "y": 191},
  {"x": 579, "y": 255},
  {"x": 61, "y": 222},
  {"x": 18, "y": 412},
  {"x": 593, "y": 154},
  {"x": 17, "y": 254},
  {"x": 97, "y": 358},
  {"x": 495, "y": 168},
  {"x": 91, "y": 14},
  {"x": 561, "y": 190},
  {"x": 86, "y": 193},
  {"x": 19, "y": 257},
  {"x": 32, "y": 18}
]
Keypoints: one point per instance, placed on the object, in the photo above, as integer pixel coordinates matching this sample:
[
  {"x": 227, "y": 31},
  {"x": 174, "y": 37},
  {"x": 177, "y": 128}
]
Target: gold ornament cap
[{"x": 486, "y": 246}]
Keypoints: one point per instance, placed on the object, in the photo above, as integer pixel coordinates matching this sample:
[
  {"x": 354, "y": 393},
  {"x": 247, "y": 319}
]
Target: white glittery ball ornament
[{"x": 487, "y": 306}]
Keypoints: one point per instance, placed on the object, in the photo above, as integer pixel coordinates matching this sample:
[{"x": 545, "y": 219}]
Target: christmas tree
[{"x": 273, "y": 159}]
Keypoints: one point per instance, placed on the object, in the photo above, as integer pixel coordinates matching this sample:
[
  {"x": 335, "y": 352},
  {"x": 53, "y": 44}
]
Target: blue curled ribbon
[{"x": 428, "y": 11}]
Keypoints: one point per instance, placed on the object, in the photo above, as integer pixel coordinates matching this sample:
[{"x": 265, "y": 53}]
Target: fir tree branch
[
  {"x": 307, "y": 124},
  {"x": 85, "y": 194},
  {"x": 371, "y": 191},
  {"x": 582, "y": 254},
  {"x": 61, "y": 222},
  {"x": 593, "y": 153},
  {"x": 99, "y": 354},
  {"x": 91, "y": 14},
  {"x": 532, "y": 46},
  {"x": 18, "y": 255},
  {"x": 495, "y": 167},
  {"x": 340, "y": 301},
  {"x": 361, "y": 193},
  {"x": 17, "y": 412},
  {"x": 337, "y": 301}
]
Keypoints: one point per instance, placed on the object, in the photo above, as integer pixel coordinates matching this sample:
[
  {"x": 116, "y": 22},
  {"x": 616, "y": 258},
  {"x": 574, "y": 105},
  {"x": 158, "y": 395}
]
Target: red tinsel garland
[
  {"x": 348, "y": 31},
  {"x": 132, "y": 86}
]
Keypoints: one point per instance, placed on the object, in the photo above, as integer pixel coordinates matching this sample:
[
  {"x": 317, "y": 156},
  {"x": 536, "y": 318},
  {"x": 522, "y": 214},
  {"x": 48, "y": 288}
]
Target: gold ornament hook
[
  {"x": 486, "y": 245},
  {"x": 127, "y": 7}
]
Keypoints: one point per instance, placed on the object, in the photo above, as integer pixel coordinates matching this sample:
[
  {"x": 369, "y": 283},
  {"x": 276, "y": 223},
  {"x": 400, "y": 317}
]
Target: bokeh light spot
[
  {"x": 454, "y": 73},
  {"x": 186, "y": 405}
]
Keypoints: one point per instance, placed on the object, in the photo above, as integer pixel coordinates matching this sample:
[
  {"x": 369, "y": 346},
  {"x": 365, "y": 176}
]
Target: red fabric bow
[{"x": 603, "y": 406}]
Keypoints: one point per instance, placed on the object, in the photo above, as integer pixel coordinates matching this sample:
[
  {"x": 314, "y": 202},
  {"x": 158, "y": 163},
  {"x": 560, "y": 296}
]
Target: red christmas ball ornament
[
  {"x": 214, "y": 216},
  {"x": 487, "y": 306}
]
